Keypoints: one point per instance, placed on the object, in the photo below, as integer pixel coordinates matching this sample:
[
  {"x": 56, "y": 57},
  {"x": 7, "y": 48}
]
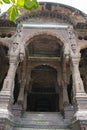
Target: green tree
[{"x": 16, "y": 5}]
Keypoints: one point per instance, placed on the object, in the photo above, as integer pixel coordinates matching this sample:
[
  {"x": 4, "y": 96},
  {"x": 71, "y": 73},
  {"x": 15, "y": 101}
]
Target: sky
[{"x": 79, "y": 4}]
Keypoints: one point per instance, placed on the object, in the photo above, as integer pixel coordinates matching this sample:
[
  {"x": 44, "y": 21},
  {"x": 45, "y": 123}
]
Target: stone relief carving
[
  {"x": 72, "y": 39},
  {"x": 75, "y": 58},
  {"x": 17, "y": 48}
]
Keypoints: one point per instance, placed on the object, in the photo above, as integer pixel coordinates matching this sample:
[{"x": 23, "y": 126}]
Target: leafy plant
[{"x": 14, "y": 10}]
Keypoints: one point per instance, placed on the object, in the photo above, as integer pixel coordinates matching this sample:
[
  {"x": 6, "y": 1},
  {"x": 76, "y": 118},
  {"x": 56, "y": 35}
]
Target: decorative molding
[{"x": 45, "y": 14}]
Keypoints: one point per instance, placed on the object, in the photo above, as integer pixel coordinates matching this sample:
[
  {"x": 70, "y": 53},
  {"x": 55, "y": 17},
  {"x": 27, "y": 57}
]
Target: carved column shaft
[
  {"x": 21, "y": 93},
  {"x": 9, "y": 80},
  {"x": 6, "y": 95},
  {"x": 23, "y": 82},
  {"x": 79, "y": 95},
  {"x": 78, "y": 86},
  {"x": 64, "y": 83}
]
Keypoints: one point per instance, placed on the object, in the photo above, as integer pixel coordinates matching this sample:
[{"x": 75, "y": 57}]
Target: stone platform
[
  {"x": 38, "y": 129},
  {"x": 42, "y": 120}
]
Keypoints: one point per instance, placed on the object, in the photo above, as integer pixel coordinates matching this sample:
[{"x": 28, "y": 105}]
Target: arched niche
[
  {"x": 43, "y": 95},
  {"x": 45, "y": 45}
]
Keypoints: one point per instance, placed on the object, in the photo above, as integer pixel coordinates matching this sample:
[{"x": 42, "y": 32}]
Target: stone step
[
  {"x": 43, "y": 120},
  {"x": 37, "y": 129},
  {"x": 43, "y": 125},
  {"x": 43, "y": 115}
]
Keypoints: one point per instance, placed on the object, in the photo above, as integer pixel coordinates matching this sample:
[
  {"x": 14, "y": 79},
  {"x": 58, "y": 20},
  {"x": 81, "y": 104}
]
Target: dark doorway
[
  {"x": 46, "y": 102},
  {"x": 43, "y": 96}
]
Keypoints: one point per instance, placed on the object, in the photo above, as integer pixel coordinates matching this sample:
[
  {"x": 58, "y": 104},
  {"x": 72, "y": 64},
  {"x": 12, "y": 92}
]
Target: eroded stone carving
[
  {"x": 72, "y": 39},
  {"x": 16, "y": 54},
  {"x": 18, "y": 43},
  {"x": 77, "y": 81}
]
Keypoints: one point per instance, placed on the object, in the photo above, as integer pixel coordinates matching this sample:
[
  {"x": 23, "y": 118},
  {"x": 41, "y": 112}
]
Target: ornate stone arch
[
  {"x": 38, "y": 33},
  {"x": 46, "y": 14},
  {"x": 53, "y": 11}
]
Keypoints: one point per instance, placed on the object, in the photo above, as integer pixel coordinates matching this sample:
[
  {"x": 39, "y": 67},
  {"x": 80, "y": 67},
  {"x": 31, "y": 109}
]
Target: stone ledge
[{"x": 80, "y": 115}]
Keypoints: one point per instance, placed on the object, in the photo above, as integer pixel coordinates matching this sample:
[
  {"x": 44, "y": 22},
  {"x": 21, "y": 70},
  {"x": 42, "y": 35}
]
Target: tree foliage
[{"x": 14, "y": 10}]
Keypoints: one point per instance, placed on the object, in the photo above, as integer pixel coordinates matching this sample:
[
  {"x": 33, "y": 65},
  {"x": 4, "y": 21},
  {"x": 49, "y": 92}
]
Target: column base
[
  {"x": 68, "y": 112},
  {"x": 80, "y": 115},
  {"x": 6, "y": 117},
  {"x": 79, "y": 120},
  {"x": 17, "y": 109},
  {"x": 78, "y": 125},
  {"x": 80, "y": 102},
  {"x": 81, "y": 94}
]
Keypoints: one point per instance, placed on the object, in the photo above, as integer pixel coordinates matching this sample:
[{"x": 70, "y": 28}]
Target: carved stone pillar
[
  {"x": 20, "y": 101},
  {"x": 23, "y": 82},
  {"x": 65, "y": 95},
  {"x": 8, "y": 85},
  {"x": 79, "y": 95},
  {"x": 16, "y": 55},
  {"x": 67, "y": 108},
  {"x": 64, "y": 84},
  {"x": 21, "y": 93},
  {"x": 6, "y": 94},
  {"x": 78, "y": 87}
]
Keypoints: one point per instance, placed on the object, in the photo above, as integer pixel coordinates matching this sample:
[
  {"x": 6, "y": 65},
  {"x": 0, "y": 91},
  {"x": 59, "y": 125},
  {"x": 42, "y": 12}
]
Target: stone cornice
[
  {"x": 46, "y": 14},
  {"x": 49, "y": 11}
]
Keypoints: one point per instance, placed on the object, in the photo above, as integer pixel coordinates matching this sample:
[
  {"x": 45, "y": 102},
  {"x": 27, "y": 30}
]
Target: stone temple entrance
[
  {"x": 43, "y": 96},
  {"x": 44, "y": 59},
  {"x": 37, "y": 60},
  {"x": 43, "y": 78}
]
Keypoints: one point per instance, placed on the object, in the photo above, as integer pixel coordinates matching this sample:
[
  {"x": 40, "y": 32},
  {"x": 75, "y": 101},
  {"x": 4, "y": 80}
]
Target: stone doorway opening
[
  {"x": 43, "y": 95},
  {"x": 44, "y": 60}
]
